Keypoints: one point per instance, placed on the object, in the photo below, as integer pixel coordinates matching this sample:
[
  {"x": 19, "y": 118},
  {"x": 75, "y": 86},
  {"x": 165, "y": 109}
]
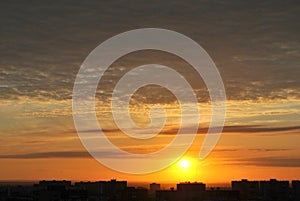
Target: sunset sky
[{"x": 255, "y": 46}]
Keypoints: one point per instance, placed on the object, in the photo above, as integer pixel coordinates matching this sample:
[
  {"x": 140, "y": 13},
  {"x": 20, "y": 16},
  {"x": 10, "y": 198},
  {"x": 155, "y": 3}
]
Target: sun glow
[{"x": 184, "y": 163}]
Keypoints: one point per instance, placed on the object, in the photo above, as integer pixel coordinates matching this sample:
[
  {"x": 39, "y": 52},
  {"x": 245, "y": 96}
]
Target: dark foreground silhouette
[{"x": 113, "y": 190}]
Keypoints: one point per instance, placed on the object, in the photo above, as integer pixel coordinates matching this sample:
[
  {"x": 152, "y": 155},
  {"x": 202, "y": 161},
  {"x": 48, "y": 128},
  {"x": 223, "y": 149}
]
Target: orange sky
[{"x": 54, "y": 151}]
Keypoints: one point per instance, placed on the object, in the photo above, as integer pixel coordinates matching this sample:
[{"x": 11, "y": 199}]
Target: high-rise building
[
  {"x": 104, "y": 190},
  {"x": 274, "y": 190},
  {"x": 153, "y": 188},
  {"x": 196, "y": 191},
  {"x": 187, "y": 186},
  {"x": 296, "y": 190},
  {"x": 134, "y": 194},
  {"x": 224, "y": 195},
  {"x": 58, "y": 190},
  {"x": 249, "y": 190}
]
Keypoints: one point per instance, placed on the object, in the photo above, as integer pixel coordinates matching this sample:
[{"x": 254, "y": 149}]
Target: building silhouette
[
  {"x": 274, "y": 190},
  {"x": 191, "y": 187},
  {"x": 113, "y": 190},
  {"x": 104, "y": 190},
  {"x": 134, "y": 194},
  {"x": 296, "y": 190},
  {"x": 153, "y": 188},
  {"x": 196, "y": 192},
  {"x": 221, "y": 195},
  {"x": 249, "y": 190},
  {"x": 58, "y": 190}
]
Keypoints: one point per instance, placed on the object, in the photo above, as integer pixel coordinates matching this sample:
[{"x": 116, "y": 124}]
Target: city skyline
[{"x": 242, "y": 190}]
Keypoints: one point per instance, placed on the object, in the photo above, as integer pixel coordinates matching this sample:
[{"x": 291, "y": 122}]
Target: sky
[{"x": 255, "y": 46}]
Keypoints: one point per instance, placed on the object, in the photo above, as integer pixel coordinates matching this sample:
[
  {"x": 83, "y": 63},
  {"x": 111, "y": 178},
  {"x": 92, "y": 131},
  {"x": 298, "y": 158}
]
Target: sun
[
  {"x": 184, "y": 163},
  {"x": 185, "y": 169}
]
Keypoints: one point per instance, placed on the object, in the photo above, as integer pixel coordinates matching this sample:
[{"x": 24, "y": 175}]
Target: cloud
[
  {"x": 43, "y": 46},
  {"x": 254, "y": 150},
  {"x": 257, "y": 161},
  {"x": 59, "y": 154},
  {"x": 268, "y": 150},
  {"x": 268, "y": 162},
  {"x": 65, "y": 154},
  {"x": 241, "y": 129},
  {"x": 68, "y": 154},
  {"x": 256, "y": 129}
]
